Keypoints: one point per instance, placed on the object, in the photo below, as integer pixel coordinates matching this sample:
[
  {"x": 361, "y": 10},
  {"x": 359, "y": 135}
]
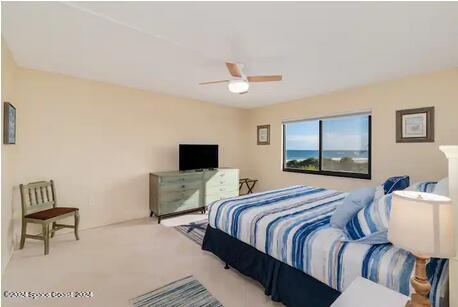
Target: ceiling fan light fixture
[{"x": 238, "y": 86}]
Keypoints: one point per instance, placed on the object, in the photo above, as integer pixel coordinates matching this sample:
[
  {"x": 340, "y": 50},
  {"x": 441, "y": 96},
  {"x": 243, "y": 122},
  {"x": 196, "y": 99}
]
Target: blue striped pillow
[
  {"x": 374, "y": 218},
  {"x": 423, "y": 186},
  {"x": 396, "y": 183}
]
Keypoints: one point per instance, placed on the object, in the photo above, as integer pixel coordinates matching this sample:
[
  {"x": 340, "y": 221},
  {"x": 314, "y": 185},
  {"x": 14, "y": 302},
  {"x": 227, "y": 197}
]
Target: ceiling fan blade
[
  {"x": 243, "y": 93},
  {"x": 264, "y": 78},
  {"x": 213, "y": 82},
  {"x": 234, "y": 69}
]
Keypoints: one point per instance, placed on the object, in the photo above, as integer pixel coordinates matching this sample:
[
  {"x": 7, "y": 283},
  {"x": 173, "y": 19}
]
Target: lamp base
[{"x": 420, "y": 284}]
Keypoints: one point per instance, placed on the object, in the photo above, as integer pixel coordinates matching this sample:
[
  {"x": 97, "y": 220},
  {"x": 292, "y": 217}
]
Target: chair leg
[
  {"x": 77, "y": 222},
  {"x": 23, "y": 232},
  {"x": 53, "y": 227},
  {"x": 46, "y": 237}
]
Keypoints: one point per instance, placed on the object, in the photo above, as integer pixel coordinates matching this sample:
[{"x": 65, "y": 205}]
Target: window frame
[{"x": 367, "y": 176}]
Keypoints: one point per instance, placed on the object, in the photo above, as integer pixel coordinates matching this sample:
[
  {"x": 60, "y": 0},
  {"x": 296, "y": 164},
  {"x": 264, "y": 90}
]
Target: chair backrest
[{"x": 37, "y": 196}]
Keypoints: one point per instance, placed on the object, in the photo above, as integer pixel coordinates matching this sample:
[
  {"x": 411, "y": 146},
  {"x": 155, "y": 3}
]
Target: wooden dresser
[{"x": 178, "y": 192}]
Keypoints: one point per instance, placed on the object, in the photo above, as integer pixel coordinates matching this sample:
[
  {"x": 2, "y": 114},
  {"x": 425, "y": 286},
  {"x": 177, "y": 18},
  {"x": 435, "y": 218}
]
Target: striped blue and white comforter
[{"x": 293, "y": 226}]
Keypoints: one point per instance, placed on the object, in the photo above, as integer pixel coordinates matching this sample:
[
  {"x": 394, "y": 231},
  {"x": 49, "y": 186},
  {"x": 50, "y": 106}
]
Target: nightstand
[{"x": 363, "y": 293}]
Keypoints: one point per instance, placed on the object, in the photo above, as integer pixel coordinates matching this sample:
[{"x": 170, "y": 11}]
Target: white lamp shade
[
  {"x": 238, "y": 86},
  {"x": 422, "y": 223}
]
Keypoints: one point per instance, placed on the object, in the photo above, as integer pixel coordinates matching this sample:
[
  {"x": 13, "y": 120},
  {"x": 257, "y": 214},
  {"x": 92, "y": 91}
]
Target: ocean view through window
[{"x": 335, "y": 146}]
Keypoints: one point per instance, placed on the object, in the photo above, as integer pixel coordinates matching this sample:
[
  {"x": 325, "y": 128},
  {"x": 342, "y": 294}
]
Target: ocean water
[{"x": 305, "y": 154}]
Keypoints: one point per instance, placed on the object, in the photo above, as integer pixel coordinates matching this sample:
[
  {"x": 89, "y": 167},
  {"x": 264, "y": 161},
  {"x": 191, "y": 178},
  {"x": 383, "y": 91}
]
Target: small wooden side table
[
  {"x": 250, "y": 183},
  {"x": 363, "y": 293}
]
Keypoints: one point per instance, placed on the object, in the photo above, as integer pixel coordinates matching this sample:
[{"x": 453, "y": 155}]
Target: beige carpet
[{"x": 122, "y": 261}]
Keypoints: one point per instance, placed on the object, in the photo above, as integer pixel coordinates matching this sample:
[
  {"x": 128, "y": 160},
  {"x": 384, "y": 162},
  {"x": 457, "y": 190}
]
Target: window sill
[{"x": 330, "y": 173}]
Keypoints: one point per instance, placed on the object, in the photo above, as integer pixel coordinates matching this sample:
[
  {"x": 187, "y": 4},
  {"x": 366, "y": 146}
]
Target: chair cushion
[{"x": 50, "y": 213}]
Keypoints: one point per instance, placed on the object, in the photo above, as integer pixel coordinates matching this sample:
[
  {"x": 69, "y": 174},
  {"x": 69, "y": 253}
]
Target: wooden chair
[{"x": 39, "y": 206}]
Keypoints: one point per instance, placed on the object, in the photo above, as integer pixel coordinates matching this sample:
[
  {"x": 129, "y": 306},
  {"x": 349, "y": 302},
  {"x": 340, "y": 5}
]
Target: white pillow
[
  {"x": 423, "y": 186},
  {"x": 441, "y": 187}
]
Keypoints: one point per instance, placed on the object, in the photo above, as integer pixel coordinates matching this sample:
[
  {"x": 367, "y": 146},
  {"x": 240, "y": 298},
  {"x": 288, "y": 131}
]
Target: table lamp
[{"x": 422, "y": 223}]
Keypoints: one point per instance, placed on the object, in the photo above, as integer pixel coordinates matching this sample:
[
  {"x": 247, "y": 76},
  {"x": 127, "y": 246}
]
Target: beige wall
[
  {"x": 9, "y": 70},
  {"x": 99, "y": 142},
  {"x": 419, "y": 160}
]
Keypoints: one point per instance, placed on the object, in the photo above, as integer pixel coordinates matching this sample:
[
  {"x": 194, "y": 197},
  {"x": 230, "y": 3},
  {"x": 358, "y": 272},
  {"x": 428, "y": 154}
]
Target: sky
[{"x": 341, "y": 133}]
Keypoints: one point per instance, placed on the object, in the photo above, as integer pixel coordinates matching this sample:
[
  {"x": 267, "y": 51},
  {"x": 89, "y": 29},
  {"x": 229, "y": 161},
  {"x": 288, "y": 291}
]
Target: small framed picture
[
  {"x": 264, "y": 135},
  {"x": 415, "y": 125},
  {"x": 9, "y": 123}
]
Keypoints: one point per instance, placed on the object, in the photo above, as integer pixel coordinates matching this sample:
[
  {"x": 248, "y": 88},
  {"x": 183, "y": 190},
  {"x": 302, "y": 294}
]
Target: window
[
  {"x": 302, "y": 145},
  {"x": 335, "y": 146}
]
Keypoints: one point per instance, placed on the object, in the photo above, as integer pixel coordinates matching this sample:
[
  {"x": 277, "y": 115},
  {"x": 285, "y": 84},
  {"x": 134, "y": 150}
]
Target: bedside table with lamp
[{"x": 423, "y": 224}]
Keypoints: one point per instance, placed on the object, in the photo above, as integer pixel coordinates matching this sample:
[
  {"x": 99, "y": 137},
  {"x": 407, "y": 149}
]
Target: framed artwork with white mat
[
  {"x": 263, "y": 135},
  {"x": 415, "y": 125}
]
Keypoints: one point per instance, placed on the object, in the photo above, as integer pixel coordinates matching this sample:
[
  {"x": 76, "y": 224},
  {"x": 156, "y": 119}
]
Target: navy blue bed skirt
[{"x": 282, "y": 282}]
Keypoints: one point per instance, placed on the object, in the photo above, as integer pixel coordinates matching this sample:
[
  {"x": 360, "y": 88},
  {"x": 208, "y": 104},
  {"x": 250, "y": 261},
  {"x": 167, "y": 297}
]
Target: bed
[{"x": 283, "y": 239}]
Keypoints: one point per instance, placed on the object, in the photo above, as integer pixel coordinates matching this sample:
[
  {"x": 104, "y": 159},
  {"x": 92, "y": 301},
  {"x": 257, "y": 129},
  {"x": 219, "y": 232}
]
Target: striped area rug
[
  {"x": 194, "y": 231},
  {"x": 181, "y": 293}
]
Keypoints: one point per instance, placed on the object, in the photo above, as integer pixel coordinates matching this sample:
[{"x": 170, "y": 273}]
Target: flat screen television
[{"x": 194, "y": 157}]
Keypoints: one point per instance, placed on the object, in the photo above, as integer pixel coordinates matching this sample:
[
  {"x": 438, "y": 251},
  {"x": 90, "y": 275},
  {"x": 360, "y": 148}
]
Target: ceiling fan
[{"x": 240, "y": 83}]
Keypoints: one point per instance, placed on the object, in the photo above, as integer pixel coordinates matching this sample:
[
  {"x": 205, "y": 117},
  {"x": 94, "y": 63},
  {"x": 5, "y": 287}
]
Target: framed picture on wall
[
  {"x": 415, "y": 125},
  {"x": 264, "y": 135},
  {"x": 9, "y": 123}
]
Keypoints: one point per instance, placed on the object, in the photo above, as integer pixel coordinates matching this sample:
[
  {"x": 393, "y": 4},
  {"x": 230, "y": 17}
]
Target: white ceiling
[{"x": 170, "y": 47}]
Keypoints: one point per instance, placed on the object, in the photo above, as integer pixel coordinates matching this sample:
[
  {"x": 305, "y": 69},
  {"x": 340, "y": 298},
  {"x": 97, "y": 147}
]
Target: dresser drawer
[
  {"x": 218, "y": 189},
  {"x": 181, "y": 179},
  {"x": 175, "y": 196},
  {"x": 214, "y": 197},
  {"x": 221, "y": 177},
  {"x": 215, "y": 182},
  {"x": 178, "y": 201},
  {"x": 180, "y": 186}
]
